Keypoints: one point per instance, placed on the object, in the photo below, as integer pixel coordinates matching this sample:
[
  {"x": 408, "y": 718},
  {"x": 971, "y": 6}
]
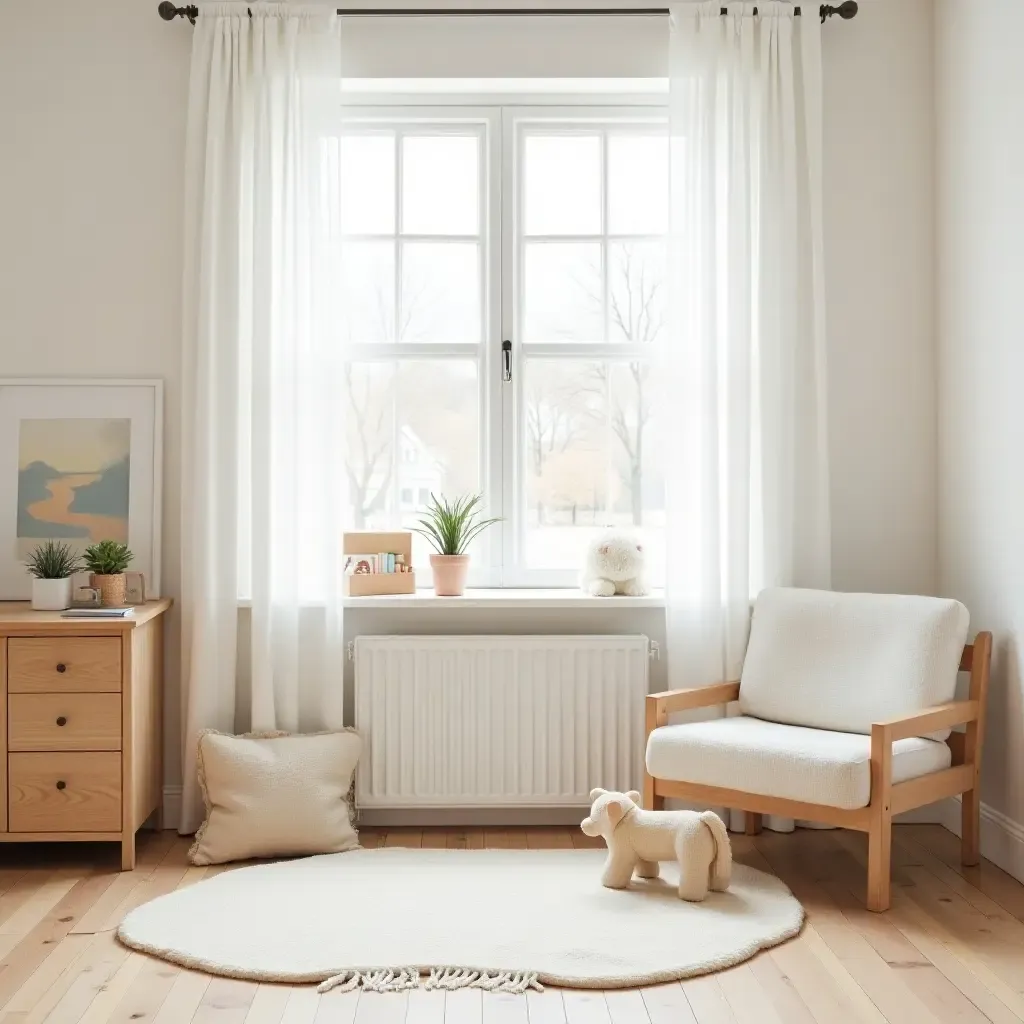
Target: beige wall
[
  {"x": 92, "y": 101},
  {"x": 980, "y": 78}
]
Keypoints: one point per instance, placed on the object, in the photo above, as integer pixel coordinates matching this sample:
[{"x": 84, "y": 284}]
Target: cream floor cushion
[
  {"x": 275, "y": 795},
  {"x": 815, "y": 766}
]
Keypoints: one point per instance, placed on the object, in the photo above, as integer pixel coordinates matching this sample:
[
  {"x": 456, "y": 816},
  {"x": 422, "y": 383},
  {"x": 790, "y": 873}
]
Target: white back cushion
[{"x": 843, "y": 661}]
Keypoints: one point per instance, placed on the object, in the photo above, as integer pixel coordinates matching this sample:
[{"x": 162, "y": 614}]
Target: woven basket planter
[{"x": 111, "y": 588}]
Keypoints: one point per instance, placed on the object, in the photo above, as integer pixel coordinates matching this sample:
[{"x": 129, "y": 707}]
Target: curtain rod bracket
[{"x": 168, "y": 11}]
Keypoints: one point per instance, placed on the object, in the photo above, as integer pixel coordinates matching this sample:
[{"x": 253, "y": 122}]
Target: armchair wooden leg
[
  {"x": 970, "y": 827},
  {"x": 879, "y": 866},
  {"x": 752, "y": 823},
  {"x": 652, "y": 802},
  {"x": 880, "y": 832}
]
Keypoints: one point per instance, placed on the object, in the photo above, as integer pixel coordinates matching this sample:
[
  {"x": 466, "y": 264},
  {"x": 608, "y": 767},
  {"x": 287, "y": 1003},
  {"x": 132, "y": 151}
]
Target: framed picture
[{"x": 80, "y": 462}]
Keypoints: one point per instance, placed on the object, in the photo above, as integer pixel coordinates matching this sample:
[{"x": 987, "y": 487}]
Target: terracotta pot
[
  {"x": 449, "y": 574},
  {"x": 51, "y": 595},
  {"x": 111, "y": 589}
]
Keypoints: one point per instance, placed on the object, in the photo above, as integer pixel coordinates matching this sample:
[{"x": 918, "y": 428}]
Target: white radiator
[{"x": 498, "y": 721}]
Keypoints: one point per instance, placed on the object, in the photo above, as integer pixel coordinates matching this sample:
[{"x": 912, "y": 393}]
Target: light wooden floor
[{"x": 950, "y": 950}]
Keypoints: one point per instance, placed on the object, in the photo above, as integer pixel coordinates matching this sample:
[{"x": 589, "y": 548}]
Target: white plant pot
[{"x": 51, "y": 595}]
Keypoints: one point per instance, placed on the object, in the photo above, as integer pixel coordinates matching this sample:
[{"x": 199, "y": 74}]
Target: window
[{"x": 467, "y": 226}]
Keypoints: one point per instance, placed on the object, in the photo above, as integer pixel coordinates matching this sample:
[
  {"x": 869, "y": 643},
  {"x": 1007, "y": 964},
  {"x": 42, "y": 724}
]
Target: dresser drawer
[
  {"x": 61, "y": 792},
  {"x": 63, "y": 664},
  {"x": 64, "y": 721}
]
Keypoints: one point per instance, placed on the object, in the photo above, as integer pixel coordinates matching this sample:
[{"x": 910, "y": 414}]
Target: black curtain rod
[{"x": 167, "y": 11}]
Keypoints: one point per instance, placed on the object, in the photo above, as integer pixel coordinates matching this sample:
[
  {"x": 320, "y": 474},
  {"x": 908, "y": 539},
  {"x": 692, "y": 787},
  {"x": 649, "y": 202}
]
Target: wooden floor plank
[
  {"x": 434, "y": 839},
  {"x": 503, "y": 1008},
  {"x": 626, "y": 1006},
  {"x": 779, "y": 991},
  {"x": 406, "y": 838},
  {"x": 667, "y": 1004},
  {"x": 303, "y": 1005},
  {"x": 425, "y": 1007},
  {"x": 707, "y": 1001},
  {"x": 585, "y": 1006},
  {"x": 147, "y": 994},
  {"x": 43, "y": 941},
  {"x": 985, "y": 877},
  {"x": 268, "y": 1004},
  {"x": 545, "y": 1007},
  {"x": 183, "y": 1000},
  {"x": 883, "y": 984},
  {"x": 463, "y": 1006},
  {"x": 548, "y": 839},
  {"x": 742, "y": 991}
]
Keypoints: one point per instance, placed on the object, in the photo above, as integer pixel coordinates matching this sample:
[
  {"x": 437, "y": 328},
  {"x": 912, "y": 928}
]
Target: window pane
[
  {"x": 562, "y": 191},
  {"x": 440, "y": 292},
  {"x": 637, "y": 309},
  {"x": 412, "y": 428},
  {"x": 562, "y": 299},
  {"x": 368, "y": 290},
  {"x": 440, "y": 185},
  {"x": 368, "y": 183},
  {"x": 589, "y": 459},
  {"x": 637, "y": 184}
]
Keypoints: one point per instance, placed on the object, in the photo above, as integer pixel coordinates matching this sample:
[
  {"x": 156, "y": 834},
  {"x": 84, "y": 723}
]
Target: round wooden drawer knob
[
  {"x": 62, "y": 784},
  {"x": 61, "y": 667},
  {"x": 62, "y": 720}
]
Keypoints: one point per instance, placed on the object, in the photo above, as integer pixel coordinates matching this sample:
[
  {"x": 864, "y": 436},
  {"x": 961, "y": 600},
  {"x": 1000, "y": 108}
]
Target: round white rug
[{"x": 504, "y": 919}]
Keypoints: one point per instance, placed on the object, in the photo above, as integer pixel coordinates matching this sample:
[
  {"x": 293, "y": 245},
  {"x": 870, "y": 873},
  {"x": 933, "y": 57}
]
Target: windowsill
[{"x": 507, "y": 598}]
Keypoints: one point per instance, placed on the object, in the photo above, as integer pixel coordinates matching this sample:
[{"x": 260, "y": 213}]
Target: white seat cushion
[
  {"x": 811, "y": 765},
  {"x": 844, "y": 661}
]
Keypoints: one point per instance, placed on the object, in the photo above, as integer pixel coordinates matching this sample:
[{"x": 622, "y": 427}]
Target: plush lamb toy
[
  {"x": 614, "y": 565},
  {"x": 639, "y": 839}
]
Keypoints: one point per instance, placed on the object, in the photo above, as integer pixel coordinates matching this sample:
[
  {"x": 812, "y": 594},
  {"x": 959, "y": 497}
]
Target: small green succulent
[{"x": 107, "y": 558}]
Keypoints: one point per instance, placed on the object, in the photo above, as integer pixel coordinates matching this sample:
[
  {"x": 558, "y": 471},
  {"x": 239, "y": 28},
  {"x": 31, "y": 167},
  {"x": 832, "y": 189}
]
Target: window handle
[{"x": 506, "y": 361}]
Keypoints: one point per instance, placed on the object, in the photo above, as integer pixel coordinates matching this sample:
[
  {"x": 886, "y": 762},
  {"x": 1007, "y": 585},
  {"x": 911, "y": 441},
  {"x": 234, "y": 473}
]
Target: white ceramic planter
[{"x": 51, "y": 595}]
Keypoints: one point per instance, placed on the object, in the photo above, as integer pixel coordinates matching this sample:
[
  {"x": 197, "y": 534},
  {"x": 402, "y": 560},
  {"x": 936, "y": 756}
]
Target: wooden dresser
[{"x": 81, "y": 724}]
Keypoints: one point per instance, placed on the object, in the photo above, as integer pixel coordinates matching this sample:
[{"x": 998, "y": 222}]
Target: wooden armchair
[{"x": 760, "y": 740}]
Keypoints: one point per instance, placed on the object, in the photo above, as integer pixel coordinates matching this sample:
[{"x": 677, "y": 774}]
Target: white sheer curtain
[
  {"x": 262, "y": 431},
  {"x": 744, "y": 364}
]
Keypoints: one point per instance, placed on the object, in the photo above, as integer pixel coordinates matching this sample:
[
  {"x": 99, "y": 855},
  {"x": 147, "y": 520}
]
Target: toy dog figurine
[{"x": 638, "y": 840}]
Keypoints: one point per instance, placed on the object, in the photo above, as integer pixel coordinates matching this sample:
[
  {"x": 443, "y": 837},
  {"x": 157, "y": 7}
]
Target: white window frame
[{"x": 500, "y": 413}]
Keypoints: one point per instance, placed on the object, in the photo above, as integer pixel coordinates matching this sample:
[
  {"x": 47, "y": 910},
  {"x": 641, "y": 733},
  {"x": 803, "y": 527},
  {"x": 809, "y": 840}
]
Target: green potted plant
[
  {"x": 450, "y": 527},
  {"x": 52, "y": 564},
  {"x": 107, "y": 562}
]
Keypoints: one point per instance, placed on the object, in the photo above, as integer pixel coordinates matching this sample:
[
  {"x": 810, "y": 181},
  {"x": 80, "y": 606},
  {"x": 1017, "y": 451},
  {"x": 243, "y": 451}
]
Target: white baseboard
[
  {"x": 172, "y": 807},
  {"x": 1002, "y": 838}
]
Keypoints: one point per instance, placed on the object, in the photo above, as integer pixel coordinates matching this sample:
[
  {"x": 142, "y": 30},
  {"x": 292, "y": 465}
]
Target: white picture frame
[{"x": 132, "y": 409}]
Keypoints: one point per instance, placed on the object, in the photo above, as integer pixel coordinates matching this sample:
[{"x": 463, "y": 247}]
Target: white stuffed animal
[
  {"x": 614, "y": 565},
  {"x": 638, "y": 839}
]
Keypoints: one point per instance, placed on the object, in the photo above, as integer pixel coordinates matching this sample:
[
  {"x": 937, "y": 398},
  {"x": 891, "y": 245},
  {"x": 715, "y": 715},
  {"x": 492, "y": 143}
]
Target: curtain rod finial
[
  {"x": 846, "y": 10},
  {"x": 169, "y": 12}
]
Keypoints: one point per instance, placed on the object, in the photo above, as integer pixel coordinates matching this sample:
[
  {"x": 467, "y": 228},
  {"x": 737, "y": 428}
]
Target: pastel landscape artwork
[{"x": 73, "y": 477}]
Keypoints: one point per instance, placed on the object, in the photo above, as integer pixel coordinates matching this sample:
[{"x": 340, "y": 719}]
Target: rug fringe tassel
[
  {"x": 445, "y": 979},
  {"x": 450, "y": 978},
  {"x": 392, "y": 980}
]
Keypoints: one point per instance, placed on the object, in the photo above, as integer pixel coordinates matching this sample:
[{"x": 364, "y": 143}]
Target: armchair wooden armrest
[
  {"x": 661, "y": 705},
  {"x": 920, "y": 723}
]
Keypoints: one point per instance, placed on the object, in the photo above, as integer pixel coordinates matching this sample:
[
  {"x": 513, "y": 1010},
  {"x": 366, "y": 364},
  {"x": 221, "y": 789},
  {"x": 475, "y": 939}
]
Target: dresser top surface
[{"x": 17, "y": 617}]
